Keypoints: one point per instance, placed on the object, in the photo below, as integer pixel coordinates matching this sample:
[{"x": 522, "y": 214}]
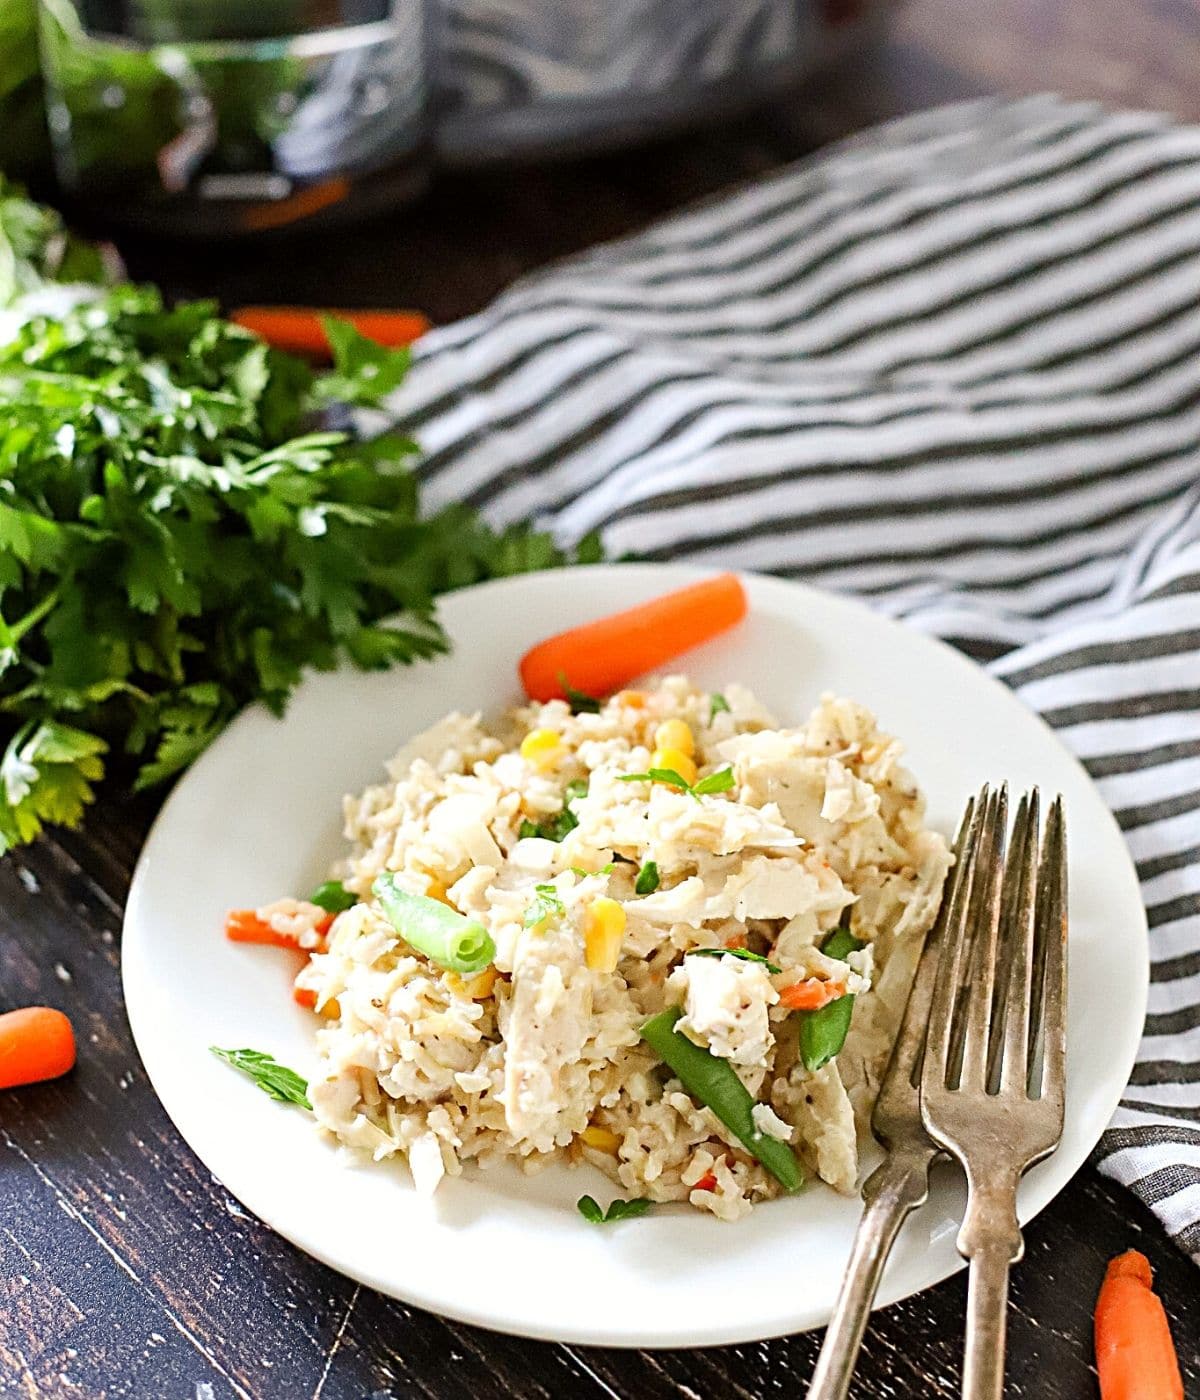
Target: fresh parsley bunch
[{"x": 180, "y": 534}]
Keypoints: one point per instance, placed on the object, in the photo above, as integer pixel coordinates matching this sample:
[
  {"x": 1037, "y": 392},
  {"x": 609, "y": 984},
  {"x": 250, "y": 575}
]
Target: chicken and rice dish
[{"x": 680, "y": 941}]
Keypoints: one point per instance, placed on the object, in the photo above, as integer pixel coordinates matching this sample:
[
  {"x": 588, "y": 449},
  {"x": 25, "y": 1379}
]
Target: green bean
[
  {"x": 823, "y": 1032},
  {"x": 445, "y": 936},
  {"x": 715, "y": 1083}
]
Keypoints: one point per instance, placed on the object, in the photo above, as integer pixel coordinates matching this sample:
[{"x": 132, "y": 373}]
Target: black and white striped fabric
[{"x": 952, "y": 366}]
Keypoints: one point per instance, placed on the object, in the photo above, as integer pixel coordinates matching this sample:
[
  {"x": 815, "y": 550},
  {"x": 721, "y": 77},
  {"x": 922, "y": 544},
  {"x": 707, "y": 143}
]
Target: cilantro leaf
[
  {"x": 617, "y": 1210},
  {"x": 717, "y": 705},
  {"x": 546, "y": 904},
  {"x": 743, "y": 953},
  {"x": 556, "y": 827},
  {"x": 274, "y": 1079}
]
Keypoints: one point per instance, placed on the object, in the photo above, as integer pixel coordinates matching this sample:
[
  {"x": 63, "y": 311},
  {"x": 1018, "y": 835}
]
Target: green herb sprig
[
  {"x": 720, "y": 781},
  {"x": 274, "y": 1079},
  {"x": 743, "y": 954},
  {"x": 546, "y": 904},
  {"x": 592, "y": 1211},
  {"x": 180, "y": 534}
]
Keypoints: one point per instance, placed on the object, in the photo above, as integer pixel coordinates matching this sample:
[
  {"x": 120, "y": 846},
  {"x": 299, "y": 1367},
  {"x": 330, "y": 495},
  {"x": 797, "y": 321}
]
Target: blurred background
[{"x": 489, "y": 136}]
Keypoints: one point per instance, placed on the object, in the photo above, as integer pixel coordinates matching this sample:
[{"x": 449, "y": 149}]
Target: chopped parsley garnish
[
  {"x": 544, "y": 906},
  {"x": 717, "y": 705},
  {"x": 647, "y": 878},
  {"x": 333, "y": 897},
  {"x": 580, "y": 702},
  {"x": 584, "y": 874},
  {"x": 721, "y": 781},
  {"x": 744, "y": 953},
  {"x": 592, "y": 1211},
  {"x": 272, "y": 1078},
  {"x": 556, "y": 827}
]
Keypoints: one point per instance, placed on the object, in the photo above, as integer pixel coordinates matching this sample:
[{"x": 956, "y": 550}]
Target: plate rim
[{"x": 678, "y": 574}]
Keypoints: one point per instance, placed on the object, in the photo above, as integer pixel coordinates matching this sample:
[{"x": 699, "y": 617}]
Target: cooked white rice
[{"x": 543, "y": 1062}]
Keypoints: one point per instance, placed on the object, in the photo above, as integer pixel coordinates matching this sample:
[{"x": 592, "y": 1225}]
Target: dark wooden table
[{"x": 125, "y": 1269}]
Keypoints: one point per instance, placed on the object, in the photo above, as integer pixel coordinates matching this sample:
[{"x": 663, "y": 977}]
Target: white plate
[{"x": 259, "y": 816}]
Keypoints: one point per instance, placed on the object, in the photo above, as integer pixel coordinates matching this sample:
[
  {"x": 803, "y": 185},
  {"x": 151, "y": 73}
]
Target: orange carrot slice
[
  {"x": 600, "y": 657},
  {"x": 1135, "y": 1356},
  {"x": 811, "y": 994},
  {"x": 36, "y": 1043},
  {"x": 244, "y": 926},
  {"x": 305, "y": 996},
  {"x": 298, "y": 329}
]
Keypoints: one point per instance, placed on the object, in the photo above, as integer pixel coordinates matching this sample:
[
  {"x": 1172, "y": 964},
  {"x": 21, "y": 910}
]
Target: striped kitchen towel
[{"x": 952, "y": 366}]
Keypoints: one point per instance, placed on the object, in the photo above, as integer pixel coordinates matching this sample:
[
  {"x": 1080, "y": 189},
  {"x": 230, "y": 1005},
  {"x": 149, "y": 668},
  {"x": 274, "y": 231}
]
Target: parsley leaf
[
  {"x": 580, "y": 702},
  {"x": 717, "y": 705},
  {"x": 272, "y": 1078},
  {"x": 743, "y": 953},
  {"x": 333, "y": 897},
  {"x": 617, "y": 1210},
  {"x": 546, "y": 904},
  {"x": 721, "y": 781},
  {"x": 181, "y": 534},
  {"x": 556, "y": 827},
  {"x": 583, "y": 874},
  {"x": 647, "y": 878}
]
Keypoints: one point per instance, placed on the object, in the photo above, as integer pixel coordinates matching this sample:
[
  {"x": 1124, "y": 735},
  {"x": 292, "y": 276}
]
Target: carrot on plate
[
  {"x": 298, "y": 329},
  {"x": 1135, "y": 1357},
  {"x": 36, "y": 1043},
  {"x": 600, "y": 657},
  {"x": 811, "y": 994},
  {"x": 244, "y": 926}
]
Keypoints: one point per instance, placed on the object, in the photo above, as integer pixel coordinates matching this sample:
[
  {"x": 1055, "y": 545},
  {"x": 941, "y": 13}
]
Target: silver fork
[
  {"x": 992, "y": 1080},
  {"x": 901, "y": 1182}
]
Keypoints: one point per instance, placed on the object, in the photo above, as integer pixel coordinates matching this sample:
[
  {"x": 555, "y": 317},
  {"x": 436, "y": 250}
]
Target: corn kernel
[
  {"x": 682, "y": 763},
  {"x": 604, "y": 930},
  {"x": 631, "y": 699},
  {"x": 331, "y": 1010},
  {"x": 474, "y": 988},
  {"x": 540, "y": 747},
  {"x": 601, "y": 1139},
  {"x": 675, "y": 734}
]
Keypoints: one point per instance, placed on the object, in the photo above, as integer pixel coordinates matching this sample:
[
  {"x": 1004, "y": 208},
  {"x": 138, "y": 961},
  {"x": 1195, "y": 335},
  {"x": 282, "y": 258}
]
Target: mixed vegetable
[{"x": 462, "y": 946}]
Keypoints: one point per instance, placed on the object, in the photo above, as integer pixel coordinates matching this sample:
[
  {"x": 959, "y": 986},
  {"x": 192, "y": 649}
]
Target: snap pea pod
[
  {"x": 823, "y": 1032},
  {"x": 445, "y": 936},
  {"x": 715, "y": 1083}
]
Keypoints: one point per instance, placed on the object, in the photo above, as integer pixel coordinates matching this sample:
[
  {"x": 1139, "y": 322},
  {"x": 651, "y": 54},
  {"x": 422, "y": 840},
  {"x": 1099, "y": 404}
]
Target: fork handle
[
  {"x": 892, "y": 1190},
  {"x": 987, "y": 1324}
]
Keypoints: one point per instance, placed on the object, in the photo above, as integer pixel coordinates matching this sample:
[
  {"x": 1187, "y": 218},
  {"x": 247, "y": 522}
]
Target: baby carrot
[
  {"x": 298, "y": 329},
  {"x": 600, "y": 657},
  {"x": 1134, "y": 1353},
  {"x": 36, "y": 1043}
]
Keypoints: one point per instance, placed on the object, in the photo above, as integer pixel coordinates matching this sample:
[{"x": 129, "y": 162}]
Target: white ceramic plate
[{"x": 259, "y": 816}]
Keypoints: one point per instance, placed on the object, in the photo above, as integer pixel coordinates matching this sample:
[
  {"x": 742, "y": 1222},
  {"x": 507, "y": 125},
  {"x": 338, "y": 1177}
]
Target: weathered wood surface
[{"x": 125, "y": 1269}]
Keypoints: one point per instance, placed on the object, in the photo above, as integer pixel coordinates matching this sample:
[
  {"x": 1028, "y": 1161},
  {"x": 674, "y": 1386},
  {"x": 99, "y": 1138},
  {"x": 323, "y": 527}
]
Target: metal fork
[
  {"x": 992, "y": 1080},
  {"x": 901, "y": 1183}
]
